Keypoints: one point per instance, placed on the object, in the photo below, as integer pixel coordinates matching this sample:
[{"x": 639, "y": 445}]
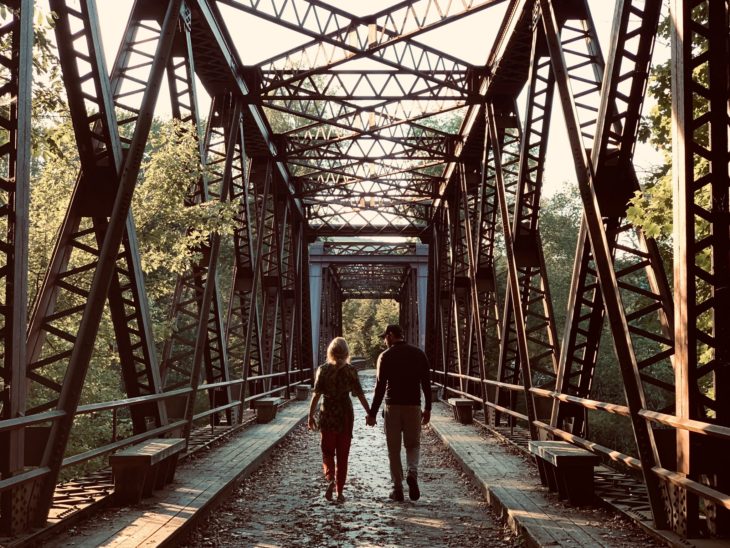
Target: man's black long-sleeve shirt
[{"x": 403, "y": 370}]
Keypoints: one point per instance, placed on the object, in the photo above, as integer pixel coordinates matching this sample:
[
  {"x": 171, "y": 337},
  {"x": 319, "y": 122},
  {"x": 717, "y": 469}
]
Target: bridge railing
[
  {"x": 608, "y": 453},
  {"x": 44, "y": 418}
]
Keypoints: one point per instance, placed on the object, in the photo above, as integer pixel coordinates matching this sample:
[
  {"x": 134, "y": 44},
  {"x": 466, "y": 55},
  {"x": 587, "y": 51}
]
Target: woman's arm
[
  {"x": 364, "y": 402},
  {"x": 357, "y": 390},
  {"x": 312, "y": 408}
]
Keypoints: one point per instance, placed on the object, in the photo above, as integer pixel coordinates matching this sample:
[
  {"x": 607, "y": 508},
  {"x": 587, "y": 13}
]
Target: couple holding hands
[{"x": 402, "y": 373}]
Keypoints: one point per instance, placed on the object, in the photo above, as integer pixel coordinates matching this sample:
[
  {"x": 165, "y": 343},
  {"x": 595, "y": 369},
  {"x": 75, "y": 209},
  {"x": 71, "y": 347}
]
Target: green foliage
[
  {"x": 55, "y": 169},
  {"x": 171, "y": 236},
  {"x": 560, "y": 216},
  {"x": 652, "y": 208},
  {"x": 362, "y": 323},
  {"x": 48, "y": 91}
]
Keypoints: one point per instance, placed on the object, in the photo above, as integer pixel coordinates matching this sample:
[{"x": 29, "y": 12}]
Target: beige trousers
[{"x": 403, "y": 426}]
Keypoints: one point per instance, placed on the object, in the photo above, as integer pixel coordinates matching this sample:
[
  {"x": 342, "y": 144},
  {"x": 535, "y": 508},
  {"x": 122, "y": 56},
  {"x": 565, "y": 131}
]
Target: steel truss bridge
[{"x": 325, "y": 149}]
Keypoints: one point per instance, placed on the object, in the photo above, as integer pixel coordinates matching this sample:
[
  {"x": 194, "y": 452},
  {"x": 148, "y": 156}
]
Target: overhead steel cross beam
[
  {"x": 419, "y": 185},
  {"x": 371, "y": 281},
  {"x": 375, "y": 37},
  {"x": 329, "y": 110},
  {"x": 368, "y": 167},
  {"x": 338, "y": 120},
  {"x": 374, "y": 85},
  {"x": 369, "y": 148},
  {"x": 211, "y": 18},
  {"x": 374, "y": 152},
  {"x": 310, "y": 143},
  {"x": 364, "y": 121},
  {"x": 361, "y": 169},
  {"x": 365, "y": 250},
  {"x": 354, "y": 120},
  {"x": 358, "y": 197},
  {"x": 342, "y": 225}
]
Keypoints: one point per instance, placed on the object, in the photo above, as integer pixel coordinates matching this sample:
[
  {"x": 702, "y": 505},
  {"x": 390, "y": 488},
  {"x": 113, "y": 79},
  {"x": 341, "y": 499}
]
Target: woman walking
[{"x": 334, "y": 382}]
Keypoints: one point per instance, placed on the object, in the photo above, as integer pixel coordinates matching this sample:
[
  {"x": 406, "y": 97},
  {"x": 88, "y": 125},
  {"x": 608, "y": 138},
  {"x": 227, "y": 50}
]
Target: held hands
[
  {"x": 425, "y": 417},
  {"x": 370, "y": 420}
]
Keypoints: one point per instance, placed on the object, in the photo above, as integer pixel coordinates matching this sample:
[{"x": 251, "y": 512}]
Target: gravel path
[{"x": 282, "y": 504}]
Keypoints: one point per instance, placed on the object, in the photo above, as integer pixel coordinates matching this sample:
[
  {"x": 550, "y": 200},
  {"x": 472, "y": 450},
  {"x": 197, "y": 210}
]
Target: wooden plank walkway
[
  {"x": 200, "y": 482},
  {"x": 512, "y": 486}
]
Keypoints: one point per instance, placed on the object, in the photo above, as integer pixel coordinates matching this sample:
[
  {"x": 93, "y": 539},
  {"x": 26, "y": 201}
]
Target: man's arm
[
  {"x": 426, "y": 387},
  {"x": 380, "y": 384}
]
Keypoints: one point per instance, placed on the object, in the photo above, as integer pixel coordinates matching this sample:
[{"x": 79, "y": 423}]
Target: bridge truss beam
[
  {"x": 96, "y": 271},
  {"x": 376, "y": 153}
]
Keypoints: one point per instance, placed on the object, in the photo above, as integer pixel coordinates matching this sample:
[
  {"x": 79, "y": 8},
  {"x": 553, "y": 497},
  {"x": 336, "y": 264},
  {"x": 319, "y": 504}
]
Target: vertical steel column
[
  {"x": 432, "y": 320},
  {"x": 486, "y": 275},
  {"x": 603, "y": 258},
  {"x": 326, "y": 315},
  {"x": 208, "y": 341},
  {"x": 538, "y": 314},
  {"x": 83, "y": 348},
  {"x": 306, "y": 312},
  {"x": 637, "y": 262},
  {"x": 283, "y": 251},
  {"x": 15, "y": 120},
  {"x": 218, "y": 150},
  {"x": 470, "y": 202},
  {"x": 461, "y": 284},
  {"x": 510, "y": 145},
  {"x": 412, "y": 286},
  {"x": 700, "y": 92},
  {"x": 513, "y": 283},
  {"x": 295, "y": 299},
  {"x": 449, "y": 354},
  {"x": 289, "y": 268},
  {"x": 316, "y": 303},
  {"x": 58, "y": 305},
  {"x": 408, "y": 313},
  {"x": 260, "y": 177},
  {"x": 271, "y": 336},
  {"x": 330, "y": 319},
  {"x": 422, "y": 295},
  {"x": 239, "y": 301}
]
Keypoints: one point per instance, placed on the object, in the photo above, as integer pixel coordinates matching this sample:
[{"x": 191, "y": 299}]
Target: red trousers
[{"x": 335, "y": 445}]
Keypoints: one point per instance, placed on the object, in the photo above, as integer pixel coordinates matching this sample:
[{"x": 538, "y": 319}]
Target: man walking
[{"x": 402, "y": 372}]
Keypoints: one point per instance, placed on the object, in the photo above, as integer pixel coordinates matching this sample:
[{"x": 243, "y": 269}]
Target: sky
[{"x": 261, "y": 40}]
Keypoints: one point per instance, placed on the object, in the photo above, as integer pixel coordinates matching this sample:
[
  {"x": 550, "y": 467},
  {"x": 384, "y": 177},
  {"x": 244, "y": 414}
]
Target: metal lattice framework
[{"x": 366, "y": 126}]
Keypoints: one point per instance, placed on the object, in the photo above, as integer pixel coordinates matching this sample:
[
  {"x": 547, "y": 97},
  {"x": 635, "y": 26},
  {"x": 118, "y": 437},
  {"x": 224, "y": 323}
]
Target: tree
[
  {"x": 170, "y": 236},
  {"x": 362, "y": 323},
  {"x": 560, "y": 217},
  {"x": 651, "y": 209}
]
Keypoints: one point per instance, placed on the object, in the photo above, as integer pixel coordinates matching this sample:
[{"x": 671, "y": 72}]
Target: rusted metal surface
[{"x": 387, "y": 135}]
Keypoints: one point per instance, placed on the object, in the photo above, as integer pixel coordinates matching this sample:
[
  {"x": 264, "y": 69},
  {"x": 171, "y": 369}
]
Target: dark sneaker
[
  {"x": 396, "y": 495},
  {"x": 341, "y": 498},
  {"x": 414, "y": 493},
  {"x": 330, "y": 489}
]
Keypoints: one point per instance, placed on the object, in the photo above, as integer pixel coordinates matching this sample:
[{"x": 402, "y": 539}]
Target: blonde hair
[{"x": 338, "y": 352}]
